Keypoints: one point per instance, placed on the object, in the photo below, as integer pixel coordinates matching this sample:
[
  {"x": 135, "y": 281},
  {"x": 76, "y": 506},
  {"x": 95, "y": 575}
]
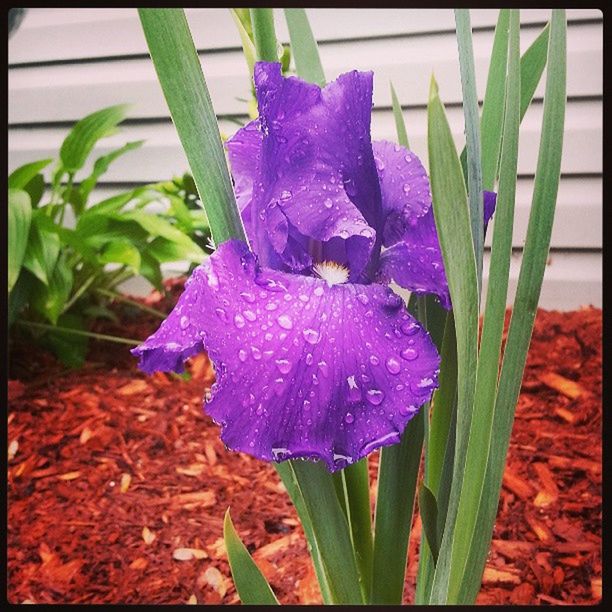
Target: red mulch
[{"x": 118, "y": 482}]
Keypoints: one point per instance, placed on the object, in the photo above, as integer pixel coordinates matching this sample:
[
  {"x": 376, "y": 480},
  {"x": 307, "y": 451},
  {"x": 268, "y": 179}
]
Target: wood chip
[
  {"x": 495, "y": 576},
  {"x": 270, "y": 549},
  {"x": 596, "y": 587},
  {"x": 214, "y": 578},
  {"x": 187, "y": 554},
  {"x": 136, "y": 386},
  {"x": 566, "y": 415},
  {"x": 559, "y": 383},
  {"x": 13, "y": 447},
  {"x": 147, "y": 535},
  {"x": 543, "y": 533},
  {"x": 549, "y": 492},
  {"x": 126, "y": 479},
  {"x": 70, "y": 475},
  {"x": 139, "y": 564},
  {"x": 517, "y": 485}
]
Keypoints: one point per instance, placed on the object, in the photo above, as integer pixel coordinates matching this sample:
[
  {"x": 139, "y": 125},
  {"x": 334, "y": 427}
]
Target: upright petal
[
  {"x": 303, "y": 369},
  {"x": 404, "y": 187},
  {"x": 315, "y": 169},
  {"x": 416, "y": 262}
]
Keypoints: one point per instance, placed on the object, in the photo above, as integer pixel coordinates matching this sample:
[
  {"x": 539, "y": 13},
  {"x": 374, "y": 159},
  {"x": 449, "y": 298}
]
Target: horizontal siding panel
[
  {"x": 57, "y": 34},
  {"x": 578, "y": 220},
  {"x": 72, "y": 91},
  {"x": 162, "y": 153},
  {"x": 571, "y": 280}
]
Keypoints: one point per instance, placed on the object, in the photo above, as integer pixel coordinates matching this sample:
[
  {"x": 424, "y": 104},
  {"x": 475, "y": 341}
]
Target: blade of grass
[
  {"x": 472, "y": 132},
  {"x": 330, "y": 529},
  {"x": 528, "y": 290},
  {"x": 287, "y": 475},
  {"x": 493, "y": 104},
  {"x": 532, "y": 66},
  {"x": 400, "y": 126},
  {"x": 397, "y": 479},
  {"x": 465, "y": 529},
  {"x": 180, "y": 75},
  {"x": 355, "y": 483},
  {"x": 452, "y": 217},
  {"x": 304, "y": 47},
  {"x": 248, "y": 48},
  {"x": 264, "y": 35},
  {"x": 250, "y": 583}
]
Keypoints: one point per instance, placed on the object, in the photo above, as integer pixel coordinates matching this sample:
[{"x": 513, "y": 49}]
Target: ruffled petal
[
  {"x": 404, "y": 188},
  {"x": 303, "y": 369}
]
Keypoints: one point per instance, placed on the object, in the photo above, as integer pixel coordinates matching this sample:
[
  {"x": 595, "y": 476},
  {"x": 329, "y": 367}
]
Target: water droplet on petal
[
  {"x": 407, "y": 410},
  {"x": 349, "y": 418},
  {"x": 238, "y": 321},
  {"x": 309, "y": 359},
  {"x": 324, "y": 368},
  {"x": 409, "y": 354},
  {"x": 306, "y": 405},
  {"x": 271, "y": 306},
  {"x": 375, "y": 396},
  {"x": 184, "y": 323},
  {"x": 221, "y": 314},
  {"x": 318, "y": 291},
  {"x": 285, "y": 195},
  {"x": 393, "y": 365},
  {"x": 363, "y": 298},
  {"x": 285, "y": 321},
  {"x": 250, "y": 315},
  {"x": 242, "y": 355},
  {"x": 256, "y": 353},
  {"x": 328, "y": 203},
  {"x": 374, "y": 360},
  {"x": 283, "y": 365},
  {"x": 249, "y": 297},
  {"x": 410, "y": 328},
  {"x": 311, "y": 336},
  {"x": 354, "y": 392}
]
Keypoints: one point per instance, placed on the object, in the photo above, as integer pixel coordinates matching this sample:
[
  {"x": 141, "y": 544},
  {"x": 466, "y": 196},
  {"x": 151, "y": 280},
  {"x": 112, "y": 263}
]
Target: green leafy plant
[{"x": 61, "y": 274}]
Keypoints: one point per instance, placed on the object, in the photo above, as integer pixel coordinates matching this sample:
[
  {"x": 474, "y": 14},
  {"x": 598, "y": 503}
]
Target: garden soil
[{"x": 118, "y": 482}]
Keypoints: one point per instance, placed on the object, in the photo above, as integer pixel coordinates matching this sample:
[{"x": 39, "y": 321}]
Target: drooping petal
[
  {"x": 416, "y": 262},
  {"x": 303, "y": 369},
  {"x": 404, "y": 188}
]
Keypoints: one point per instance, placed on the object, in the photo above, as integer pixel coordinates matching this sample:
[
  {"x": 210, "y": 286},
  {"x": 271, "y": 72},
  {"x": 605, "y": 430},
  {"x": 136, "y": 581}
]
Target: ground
[{"x": 118, "y": 482}]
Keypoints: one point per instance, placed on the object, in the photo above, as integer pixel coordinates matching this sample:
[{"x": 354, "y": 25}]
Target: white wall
[{"x": 66, "y": 63}]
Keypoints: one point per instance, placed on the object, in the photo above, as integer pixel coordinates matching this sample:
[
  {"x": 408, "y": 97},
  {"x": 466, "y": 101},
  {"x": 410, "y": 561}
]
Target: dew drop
[
  {"x": 309, "y": 359},
  {"x": 256, "y": 353},
  {"x": 242, "y": 355},
  {"x": 285, "y": 321},
  {"x": 354, "y": 392},
  {"x": 239, "y": 321},
  {"x": 184, "y": 322},
  {"x": 393, "y": 365},
  {"x": 311, "y": 336},
  {"x": 259, "y": 410},
  {"x": 318, "y": 291},
  {"x": 324, "y": 368},
  {"x": 271, "y": 306},
  {"x": 375, "y": 396},
  {"x": 328, "y": 203},
  {"x": 283, "y": 365},
  {"x": 349, "y": 418},
  {"x": 374, "y": 360},
  {"x": 407, "y": 410},
  {"x": 409, "y": 354},
  {"x": 409, "y": 328},
  {"x": 221, "y": 314},
  {"x": 250, "y": 315},
  {"x": 285, "y": 195},
  {"x": 363, "y": 298},
  {"x": 248, "y": 297},
  {"x": 304, "y": 298}
]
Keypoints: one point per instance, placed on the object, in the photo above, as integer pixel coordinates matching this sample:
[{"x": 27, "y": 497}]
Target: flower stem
[{"x": 79, "y": 332}]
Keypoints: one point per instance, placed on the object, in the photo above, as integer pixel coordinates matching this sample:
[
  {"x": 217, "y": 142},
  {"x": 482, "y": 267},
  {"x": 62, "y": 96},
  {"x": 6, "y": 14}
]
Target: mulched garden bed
[{"x": 118, "y": 482}]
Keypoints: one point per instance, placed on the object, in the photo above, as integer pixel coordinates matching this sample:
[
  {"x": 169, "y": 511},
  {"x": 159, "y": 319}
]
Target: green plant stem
[
  {"x": 122, "y": 298},
  {"x": 78, "y": 332},
  {"x": 264, "y": 34}
]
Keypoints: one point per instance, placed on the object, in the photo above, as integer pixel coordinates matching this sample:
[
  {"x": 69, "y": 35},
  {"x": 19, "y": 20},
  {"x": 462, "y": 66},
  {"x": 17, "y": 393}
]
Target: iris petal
[
  {"x": 416, "y": 262},
  {"x": 315, "y": 168},
  {"x": 404, "y": 188},
  {"x": 303, "y": 369}
]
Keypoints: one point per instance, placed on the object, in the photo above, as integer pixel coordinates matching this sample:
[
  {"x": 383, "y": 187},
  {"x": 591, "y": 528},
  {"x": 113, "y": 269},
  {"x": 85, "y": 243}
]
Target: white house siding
[{"x": 66, "y": 63}]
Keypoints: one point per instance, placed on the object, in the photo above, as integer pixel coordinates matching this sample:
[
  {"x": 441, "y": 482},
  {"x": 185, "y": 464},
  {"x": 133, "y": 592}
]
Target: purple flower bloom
[{"x": 315, "y": 356}]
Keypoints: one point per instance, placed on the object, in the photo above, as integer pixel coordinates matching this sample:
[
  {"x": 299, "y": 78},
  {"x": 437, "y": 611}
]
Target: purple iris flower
[{"x": 315, "y": 356}]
